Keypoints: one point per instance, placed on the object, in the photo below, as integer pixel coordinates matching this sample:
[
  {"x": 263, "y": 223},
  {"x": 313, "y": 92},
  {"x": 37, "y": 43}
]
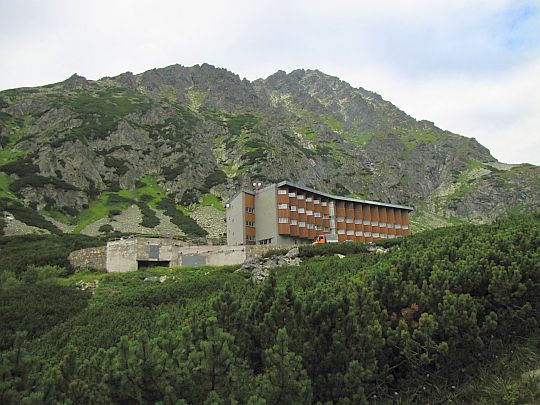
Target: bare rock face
[{"x": 202, "y": 129}]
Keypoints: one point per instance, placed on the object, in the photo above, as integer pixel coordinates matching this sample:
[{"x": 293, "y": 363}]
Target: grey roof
[{"x": 336, "y": 197}]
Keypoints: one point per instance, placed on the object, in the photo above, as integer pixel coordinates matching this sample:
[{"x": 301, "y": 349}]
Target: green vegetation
[
  {"x": 35, "y": 307},
  {"x": 185, "y": 223},
  {"x": 149, "y": 218},
  {"x": 445, "y": 316},
  {"x": 210, "y": 200},
  {"x": 147, "y": 192},
  {"x": 215, "y": 178},
  {"x": 27, "y": 215},
  {"x": 101, "y": 110},
  {"x": 20, "y": 252}
]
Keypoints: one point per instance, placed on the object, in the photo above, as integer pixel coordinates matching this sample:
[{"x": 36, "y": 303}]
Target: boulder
[{"x": 294, "y": 252}]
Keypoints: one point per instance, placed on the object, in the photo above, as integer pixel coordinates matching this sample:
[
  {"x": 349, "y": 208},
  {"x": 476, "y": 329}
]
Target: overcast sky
[{"x": 471, "y": 66}]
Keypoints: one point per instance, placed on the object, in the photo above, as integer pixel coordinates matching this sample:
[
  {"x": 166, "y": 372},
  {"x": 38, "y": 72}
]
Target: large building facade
[{"x": 287, "y": 214}]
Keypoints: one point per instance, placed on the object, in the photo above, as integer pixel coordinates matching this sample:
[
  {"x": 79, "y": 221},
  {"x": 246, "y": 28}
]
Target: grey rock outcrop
[{"x": 259, "y": 268}]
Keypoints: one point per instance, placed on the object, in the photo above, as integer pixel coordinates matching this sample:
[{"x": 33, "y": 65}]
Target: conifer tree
[{"x": 284, "y": 380}]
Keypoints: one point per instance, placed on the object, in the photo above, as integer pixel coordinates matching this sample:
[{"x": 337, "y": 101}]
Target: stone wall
[{"x": 94, "y": 258}]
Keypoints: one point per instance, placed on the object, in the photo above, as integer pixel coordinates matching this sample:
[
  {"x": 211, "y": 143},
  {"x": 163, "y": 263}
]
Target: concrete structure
[
  {"x": 286, "y": 214},
  {"x": 133, "y": 254}
]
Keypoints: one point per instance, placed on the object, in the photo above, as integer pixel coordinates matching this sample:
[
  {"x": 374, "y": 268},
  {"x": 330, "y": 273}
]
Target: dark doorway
[{"x": 144, "y": 264}]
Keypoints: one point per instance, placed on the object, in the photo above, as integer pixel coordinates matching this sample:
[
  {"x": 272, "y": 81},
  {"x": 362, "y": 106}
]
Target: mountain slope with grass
[{"x": 159, "y": 152}]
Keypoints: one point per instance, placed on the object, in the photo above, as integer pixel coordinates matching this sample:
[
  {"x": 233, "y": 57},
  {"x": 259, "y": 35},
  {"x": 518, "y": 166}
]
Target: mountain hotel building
[{"x": 288, "y": 214}]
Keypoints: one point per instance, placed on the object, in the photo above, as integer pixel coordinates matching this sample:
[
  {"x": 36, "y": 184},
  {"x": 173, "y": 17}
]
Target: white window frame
[
  {"x": 301, "y": 210},
  {"x": 317, "y": 214},
  {"x": 366, "y": 222},
  {"x": 283, "y": 206},
  {"x": 283, "y": 220},
  {"x": 324, "y": 203},
  {"x": 309, "y": 226},
  {"x": 294, "y": 221},
  {"x": 309, "y": 199},
  {"x": 300, "y": 197},
  {"x": 293, "y": 208},
  {"x": 309, "y": 212},
  {"x": 316, "y": 202},
  {"x": 367, "y": 234},
  {"x": 350, "y": 232},
  {"x": 405, "y": 226},
  {"x": 301, "y": 224},
  {"x": 341, "y": 231},
  {"x": 349, "y": 220},
  {"x": 359, "y": 233},
  {"x": 281, "y": 191},
  {"x": 340, "y": 219},
  {"x": 293, "y": 194}
]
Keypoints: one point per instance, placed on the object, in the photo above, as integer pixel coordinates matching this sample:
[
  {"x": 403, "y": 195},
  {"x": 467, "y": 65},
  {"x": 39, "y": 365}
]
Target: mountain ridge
[{"x": 199, "y": 133}]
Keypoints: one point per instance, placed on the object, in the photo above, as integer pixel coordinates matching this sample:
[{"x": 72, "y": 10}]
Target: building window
[
  {"x": 325, "y": 216},
  {"x": 349, "y": 220},
  {"x": 283, "y": 220},
  {"x": 265, "y": 241},
  {"x": 326, "y": 229},
  {"x": 324, "y": 203},
  {"x": 250, "y": 224},
  {"x": 398, "y": 226},
  {"x": 309, "y": 212},
  {"x": 301, "y": 210},
  {"x": 294, "y": 222},
  {"x": 366, "y": 222},
  {"x": 316, "y": 201},
  {"x": 281, "y": 191},
  {"x": 293, "y": 207},
  {"x": 384, "y": 236},
  {"x": 317, "y": 214},
  {"x": 358, "y": 233},
  {"x": 367, "y": 234},
  {"x": 250, "y": 210},
  {"x": 405, "y": 226},
  {"x": 250, "y": 238},
  {"x": 318, "y": 227},
  {"x": 309, "y": 199},
  {"x": 341, "y": 231},
  {"x": 391, "y": 236},
  {"x": 357, "y": 221},
  {"x": 283, "y": 206},
  {"x": 300, "y": 196},
  {"x": 383, "y": 224},
  {"x": 292, "y": 194},
  {"x": 309, "y": 226},
  {"x": 301, "y": 224},
  {"x": 375, "y": 234},
  {"x": 375, "y": 223},
  {"x": 390, "y": 225},
  {"x": 350, "y": 232},
  {"x": 340, "y": 219}
]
